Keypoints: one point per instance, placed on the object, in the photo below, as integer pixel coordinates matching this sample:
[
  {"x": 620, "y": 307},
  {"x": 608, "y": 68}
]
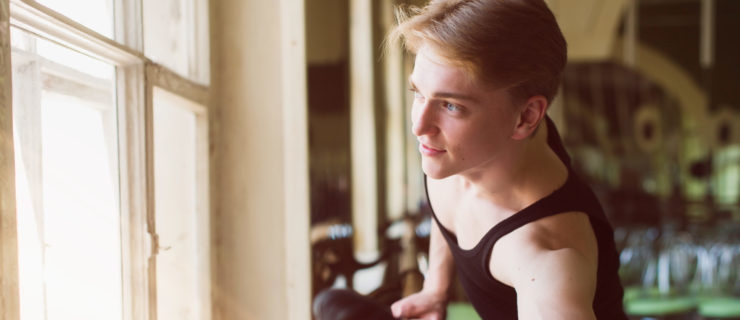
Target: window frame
[
  {"x": 160, "y": 77},
  {"x": 9, "y": 294},
  {"x": 136, "y": 76}
]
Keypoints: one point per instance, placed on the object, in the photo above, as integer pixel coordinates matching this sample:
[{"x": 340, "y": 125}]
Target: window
[
  {"x": 96, "y": 15},
  {"x": 66, "y": 182},
  {"x": 180, "y": 188},
  {"x": 110, "y": 159},
  {"x": 173, "y": 38}
]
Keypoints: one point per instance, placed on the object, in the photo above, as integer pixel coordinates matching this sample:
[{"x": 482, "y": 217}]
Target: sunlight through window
[{"x": 66, "y": 156}]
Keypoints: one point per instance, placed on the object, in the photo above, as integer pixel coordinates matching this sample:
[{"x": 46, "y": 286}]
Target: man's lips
[{"x": 429, "y": 151}]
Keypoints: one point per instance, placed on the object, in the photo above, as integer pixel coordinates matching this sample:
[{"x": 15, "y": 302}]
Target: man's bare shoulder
[
  {"x": 568, "y": 232},
  {"x": 552, "y": 264},
  {"x": 563, "y": 230}
]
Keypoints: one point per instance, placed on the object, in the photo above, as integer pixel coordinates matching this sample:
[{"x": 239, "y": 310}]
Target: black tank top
[{"x": 495, "y": 300}]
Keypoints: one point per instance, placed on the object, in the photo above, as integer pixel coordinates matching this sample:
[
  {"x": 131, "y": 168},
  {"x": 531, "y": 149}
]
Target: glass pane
[
  {"x": 182, "y": 257},
  {"x": 66, "y": 160},
  {"x": 94, "y": 14},
  {"x": 176, "y": 36}
]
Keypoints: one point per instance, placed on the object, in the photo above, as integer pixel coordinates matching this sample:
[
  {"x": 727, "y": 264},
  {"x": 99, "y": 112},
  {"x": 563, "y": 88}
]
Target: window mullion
[
  {"x": 136, "y": 243},
  {"x": 150, "y": 209},
  {"x": 128, "y": 24},
  {"x": 134, "y": 190}
]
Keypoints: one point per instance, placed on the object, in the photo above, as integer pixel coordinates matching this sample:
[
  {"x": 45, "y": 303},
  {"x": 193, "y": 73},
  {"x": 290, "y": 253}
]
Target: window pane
[
  {"x": 182, "y": 259},
  {"x": 66, "y": 159},
  {"x": 94, "y": 14},
  {"x": 176, "y": 36}
]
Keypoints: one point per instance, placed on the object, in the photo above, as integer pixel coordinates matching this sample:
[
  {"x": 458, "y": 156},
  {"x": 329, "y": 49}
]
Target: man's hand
[{"x": 422, "y": 305}]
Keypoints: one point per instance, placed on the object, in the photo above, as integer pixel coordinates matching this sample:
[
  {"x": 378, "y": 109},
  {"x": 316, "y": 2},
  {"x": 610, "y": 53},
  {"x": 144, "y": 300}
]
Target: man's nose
[{"x": 423, "y": 120}]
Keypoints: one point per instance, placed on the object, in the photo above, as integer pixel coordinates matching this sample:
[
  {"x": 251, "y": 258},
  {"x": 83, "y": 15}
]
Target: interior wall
[{"x": 259, "y": 195}]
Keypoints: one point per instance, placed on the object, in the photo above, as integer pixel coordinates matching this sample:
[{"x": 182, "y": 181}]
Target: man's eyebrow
[
  {"x": 454, "y": 95},
  {"x": 449, "y": 95}
]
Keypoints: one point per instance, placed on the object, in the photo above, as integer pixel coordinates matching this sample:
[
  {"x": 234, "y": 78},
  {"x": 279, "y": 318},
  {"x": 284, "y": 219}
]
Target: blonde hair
[{"x": 511, "y": 43}]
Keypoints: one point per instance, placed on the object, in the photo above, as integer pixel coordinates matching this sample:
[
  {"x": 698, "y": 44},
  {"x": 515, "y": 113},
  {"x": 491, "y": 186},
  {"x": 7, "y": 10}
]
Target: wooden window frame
[{"x": 157, "y": 76}]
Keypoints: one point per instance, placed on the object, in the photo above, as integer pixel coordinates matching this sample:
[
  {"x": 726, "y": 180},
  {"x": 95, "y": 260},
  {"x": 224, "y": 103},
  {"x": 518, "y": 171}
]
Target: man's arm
[
  {"x": 431, "y": 301},
  {"x": 441, "y": 264},
  {"x": 556, "y": 284}
]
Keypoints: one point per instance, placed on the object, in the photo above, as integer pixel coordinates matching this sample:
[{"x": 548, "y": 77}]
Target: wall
[{"x": 259, "y": 194}]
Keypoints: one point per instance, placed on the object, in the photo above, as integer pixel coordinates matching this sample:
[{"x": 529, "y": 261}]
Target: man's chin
[{"x": 434, "y": 171}]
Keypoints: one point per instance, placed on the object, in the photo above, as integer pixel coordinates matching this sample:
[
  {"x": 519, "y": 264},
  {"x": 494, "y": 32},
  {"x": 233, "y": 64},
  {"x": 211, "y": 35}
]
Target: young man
[{"x": 527, "y": 237}]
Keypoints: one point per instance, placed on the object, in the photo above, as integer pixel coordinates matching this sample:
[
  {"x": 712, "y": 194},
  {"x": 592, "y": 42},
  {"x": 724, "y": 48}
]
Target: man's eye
[
  {"x": 452, "y": 107},
  {"x": 417, "y": 95}
]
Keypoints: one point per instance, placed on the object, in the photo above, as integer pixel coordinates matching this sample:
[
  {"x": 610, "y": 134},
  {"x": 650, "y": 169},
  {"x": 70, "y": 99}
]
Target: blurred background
[{"x": 229, "y": 159}]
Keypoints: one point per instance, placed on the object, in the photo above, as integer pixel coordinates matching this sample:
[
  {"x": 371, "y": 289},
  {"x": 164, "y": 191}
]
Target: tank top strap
[
  {"x": 556, "y": 143},
  {"x": 564, "y": 199}
]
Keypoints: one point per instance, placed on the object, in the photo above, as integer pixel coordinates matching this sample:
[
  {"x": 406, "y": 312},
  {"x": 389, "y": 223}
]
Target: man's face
[{"x": 462, "y": 125}]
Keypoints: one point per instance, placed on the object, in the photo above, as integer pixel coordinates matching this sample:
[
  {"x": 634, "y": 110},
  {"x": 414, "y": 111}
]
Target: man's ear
[{"x": 529, "y": 117}]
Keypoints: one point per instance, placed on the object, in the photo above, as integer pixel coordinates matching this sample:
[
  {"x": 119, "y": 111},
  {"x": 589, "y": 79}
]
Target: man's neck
[{"x": 532, "y": 172}]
